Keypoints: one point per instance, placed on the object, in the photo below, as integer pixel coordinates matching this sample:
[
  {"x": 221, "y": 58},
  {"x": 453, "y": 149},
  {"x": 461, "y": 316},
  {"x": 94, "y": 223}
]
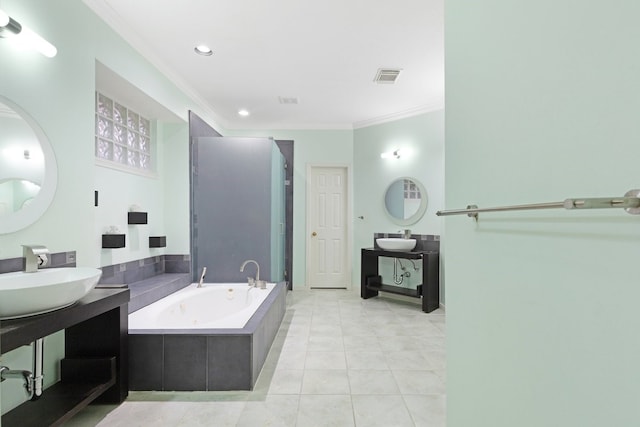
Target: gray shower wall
[{"x": 232, "y": 215}]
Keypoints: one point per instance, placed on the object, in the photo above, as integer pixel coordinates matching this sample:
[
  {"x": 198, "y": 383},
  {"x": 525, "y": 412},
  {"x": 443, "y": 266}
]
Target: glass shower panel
[
  {"x": 277, "y": 214},
  {"x": 236, "y": 208}
]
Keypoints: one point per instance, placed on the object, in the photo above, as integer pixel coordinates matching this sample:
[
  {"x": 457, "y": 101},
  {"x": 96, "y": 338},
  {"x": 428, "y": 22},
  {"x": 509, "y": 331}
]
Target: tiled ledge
[
  {"x": 147, "y": 291},
  {"x": 149, "y": 279}
]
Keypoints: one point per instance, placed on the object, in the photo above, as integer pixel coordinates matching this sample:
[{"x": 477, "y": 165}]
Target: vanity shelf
[
  {"x": 95, "y": 367},
  {"x": 136, "y": 218},
  {"x": 429, "y": 290},
  {"x": 113, "y": 241},
  {"x": 83, "y": 380}
]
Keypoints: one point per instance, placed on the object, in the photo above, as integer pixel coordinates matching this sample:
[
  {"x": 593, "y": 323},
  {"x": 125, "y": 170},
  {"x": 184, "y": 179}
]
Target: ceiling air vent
[
  {"x": 287, "y": 100},
  {"x": 386, "y": 75}
]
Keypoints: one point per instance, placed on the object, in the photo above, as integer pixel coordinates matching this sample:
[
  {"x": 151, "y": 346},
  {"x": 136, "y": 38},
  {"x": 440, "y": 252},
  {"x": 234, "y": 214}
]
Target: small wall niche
[
  {"x": 136, "y": 217},
  {"x": 113, "y": 241},
  {"x": 157, "y": 241}
]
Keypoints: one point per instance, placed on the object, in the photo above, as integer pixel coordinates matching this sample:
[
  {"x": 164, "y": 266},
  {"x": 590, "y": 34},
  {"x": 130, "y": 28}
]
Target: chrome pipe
[
  {"x": 38, "y": 368},
  {"x": 26, "y": 376}
]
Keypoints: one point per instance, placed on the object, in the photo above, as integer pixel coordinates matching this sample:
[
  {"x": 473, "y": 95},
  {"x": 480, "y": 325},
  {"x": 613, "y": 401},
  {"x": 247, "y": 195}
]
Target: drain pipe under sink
[
  {"x": 38, "y": 368},
  {"x": 32, "y": 379}
]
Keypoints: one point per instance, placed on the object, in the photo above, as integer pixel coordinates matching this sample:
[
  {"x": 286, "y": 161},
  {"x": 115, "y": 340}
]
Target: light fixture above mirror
[{"x": 24, "y": 37}]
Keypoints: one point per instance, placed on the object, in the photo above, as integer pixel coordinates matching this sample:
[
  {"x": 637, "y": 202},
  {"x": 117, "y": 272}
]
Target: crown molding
[{"x": 423, "y": 109}]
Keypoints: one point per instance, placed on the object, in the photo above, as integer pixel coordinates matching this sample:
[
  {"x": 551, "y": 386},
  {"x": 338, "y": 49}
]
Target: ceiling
[{"x": 325, "y": 54}]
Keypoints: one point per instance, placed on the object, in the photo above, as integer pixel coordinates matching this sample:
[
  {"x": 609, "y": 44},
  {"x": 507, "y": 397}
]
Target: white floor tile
[
  {"x": 325, "y": 381},
  {"x": 427, "y": 411},
  {"x": 325, "y": 360},
  {"x": 382, "y": 411},
  {"x": 372, "y": 382},
  {"x": 328, "y": 411}
]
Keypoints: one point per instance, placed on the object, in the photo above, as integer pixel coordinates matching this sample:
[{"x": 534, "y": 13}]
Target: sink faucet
[
  {"x": 406, "y": 234},
  {"x": 35, "y": 256},
  {"x": 244, "y": 264}
]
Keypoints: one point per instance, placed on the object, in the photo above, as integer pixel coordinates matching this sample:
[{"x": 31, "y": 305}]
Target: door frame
[{"x": 347, "y": 220}]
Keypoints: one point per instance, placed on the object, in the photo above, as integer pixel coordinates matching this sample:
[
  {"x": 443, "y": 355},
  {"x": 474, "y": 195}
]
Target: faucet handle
[{"x": 43, "y": 261}]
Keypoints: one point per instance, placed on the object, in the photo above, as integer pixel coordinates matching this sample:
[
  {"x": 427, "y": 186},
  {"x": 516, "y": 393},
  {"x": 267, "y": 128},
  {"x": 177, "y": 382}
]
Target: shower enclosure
[{"x": 237, "y": 208}]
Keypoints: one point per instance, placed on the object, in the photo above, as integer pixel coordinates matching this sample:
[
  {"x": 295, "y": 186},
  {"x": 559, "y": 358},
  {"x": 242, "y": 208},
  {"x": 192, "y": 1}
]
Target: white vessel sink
[
  {"x": 396, "y": 244},
  {"x": 27, "y": 294}
]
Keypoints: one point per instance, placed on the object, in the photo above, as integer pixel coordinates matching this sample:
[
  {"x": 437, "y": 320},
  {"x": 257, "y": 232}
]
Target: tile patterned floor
[{"x": 338, "y": 360}]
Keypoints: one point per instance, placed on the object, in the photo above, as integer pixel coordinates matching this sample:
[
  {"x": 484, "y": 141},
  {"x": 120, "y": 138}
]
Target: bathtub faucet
[
  {"x": 244, "y": 264},
  {"x": 204, "y": 272}
]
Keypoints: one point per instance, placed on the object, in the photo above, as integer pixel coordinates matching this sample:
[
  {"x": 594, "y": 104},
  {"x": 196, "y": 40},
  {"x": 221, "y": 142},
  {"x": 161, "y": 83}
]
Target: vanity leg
[
  {"x": 430, "y": 282},
  {"x": 368, "y": 269}
]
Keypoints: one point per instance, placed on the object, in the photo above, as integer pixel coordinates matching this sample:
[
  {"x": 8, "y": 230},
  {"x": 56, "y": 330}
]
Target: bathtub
[
  {"x": 216, "y": 337},
  {"x": 213, "y": 306}
]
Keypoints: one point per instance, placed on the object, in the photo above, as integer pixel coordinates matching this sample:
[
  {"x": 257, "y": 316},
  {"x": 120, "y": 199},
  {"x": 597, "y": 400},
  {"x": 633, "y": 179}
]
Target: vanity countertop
[
  {"x": 413, "y": 254},
  {"x": 18, "y": 332}
]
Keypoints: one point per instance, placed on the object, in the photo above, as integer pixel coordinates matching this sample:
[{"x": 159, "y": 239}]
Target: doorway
[{"x": 328, "y": 257}]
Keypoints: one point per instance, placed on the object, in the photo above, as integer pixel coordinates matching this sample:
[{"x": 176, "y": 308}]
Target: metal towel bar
[{"x": 630, "y": 203}]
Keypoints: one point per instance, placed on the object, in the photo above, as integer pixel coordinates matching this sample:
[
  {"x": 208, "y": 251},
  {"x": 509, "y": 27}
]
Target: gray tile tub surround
[
  {"x": 135, "y": 271},
  {"x": 424, "y": 242},
  {"x": 56, "y": 260},
  {"x": 149, "y": 279},
  {"x": 206, "y": 360}
]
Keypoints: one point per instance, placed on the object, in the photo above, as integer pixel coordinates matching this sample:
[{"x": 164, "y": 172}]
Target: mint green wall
[
  {"x": 542, "y": 102},
  {"x": 423, "y": 137},
  {"x": 67, "y": 83},
  {"x": 59, "y": 94}
]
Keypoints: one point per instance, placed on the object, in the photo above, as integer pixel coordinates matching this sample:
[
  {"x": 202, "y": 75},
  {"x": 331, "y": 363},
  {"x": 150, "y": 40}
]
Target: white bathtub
[{"x": 213, "y": 306}]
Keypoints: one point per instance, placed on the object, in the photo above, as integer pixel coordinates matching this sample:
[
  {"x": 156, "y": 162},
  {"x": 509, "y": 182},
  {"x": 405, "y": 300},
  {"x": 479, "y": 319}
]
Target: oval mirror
[
  {"x": 405, "y": 201},
  {"x": 28, "y": 169}
]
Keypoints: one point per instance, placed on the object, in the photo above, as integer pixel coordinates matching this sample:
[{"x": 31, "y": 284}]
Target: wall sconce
[
  {"x": 23, "y": 36},
  {"x": 395, "y": 154}
]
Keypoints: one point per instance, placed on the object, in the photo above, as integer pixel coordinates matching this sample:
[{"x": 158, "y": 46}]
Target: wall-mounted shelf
[
  {"x": 113, "y": 241},
  {"x": 136, "y": 217},
  {"x": 157, "y": 241}
]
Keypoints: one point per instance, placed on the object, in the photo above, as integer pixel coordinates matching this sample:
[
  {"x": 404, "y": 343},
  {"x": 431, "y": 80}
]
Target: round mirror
[
  {"x": 405, "y": 201},
  {"x": 28, "y": 170}
]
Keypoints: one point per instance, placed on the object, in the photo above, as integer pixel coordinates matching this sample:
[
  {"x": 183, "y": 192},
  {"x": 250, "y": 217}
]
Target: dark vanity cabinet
[
  {"x": 95, "y": 363},
  {"x": 429, "y": 290}
]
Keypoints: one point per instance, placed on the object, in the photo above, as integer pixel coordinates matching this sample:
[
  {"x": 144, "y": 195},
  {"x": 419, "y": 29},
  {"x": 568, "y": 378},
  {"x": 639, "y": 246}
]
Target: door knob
[{"x": 314, "y": 234}]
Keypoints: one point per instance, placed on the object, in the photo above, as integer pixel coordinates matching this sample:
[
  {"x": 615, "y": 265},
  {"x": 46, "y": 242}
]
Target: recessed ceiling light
[
  {"x": 203, "y": 50},
  {"x": 243, "y": 112}
]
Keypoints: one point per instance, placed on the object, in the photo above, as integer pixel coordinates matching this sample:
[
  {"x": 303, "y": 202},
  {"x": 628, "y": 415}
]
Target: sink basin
[
  {"x": 396, "y": 244},
  {"x": 27, "y": 294}
]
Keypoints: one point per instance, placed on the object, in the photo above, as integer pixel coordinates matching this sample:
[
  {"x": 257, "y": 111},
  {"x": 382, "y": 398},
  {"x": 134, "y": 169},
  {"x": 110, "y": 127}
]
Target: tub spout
[
  {"x": 204, "y": 273},
  {"x": 244, "y": 264}
]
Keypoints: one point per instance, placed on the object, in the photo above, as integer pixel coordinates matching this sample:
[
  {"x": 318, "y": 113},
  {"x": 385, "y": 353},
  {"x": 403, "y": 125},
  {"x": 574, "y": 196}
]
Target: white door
[{"x": 327, "y": 243}]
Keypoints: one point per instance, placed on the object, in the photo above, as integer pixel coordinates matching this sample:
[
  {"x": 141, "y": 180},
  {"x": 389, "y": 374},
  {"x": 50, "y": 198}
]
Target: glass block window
[
  {"x": 411, "y": 190},
  {"x": 123, "y": 137}
]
